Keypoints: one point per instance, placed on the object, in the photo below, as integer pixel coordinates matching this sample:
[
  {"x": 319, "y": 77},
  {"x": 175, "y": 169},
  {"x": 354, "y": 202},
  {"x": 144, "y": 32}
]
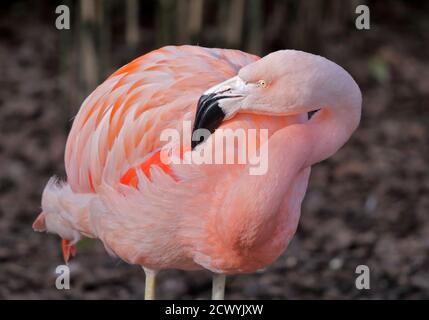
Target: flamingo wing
[{"x": 119, "y": 124}]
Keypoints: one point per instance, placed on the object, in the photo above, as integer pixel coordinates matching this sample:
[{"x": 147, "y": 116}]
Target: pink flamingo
[{"x": 188, "y": 216}]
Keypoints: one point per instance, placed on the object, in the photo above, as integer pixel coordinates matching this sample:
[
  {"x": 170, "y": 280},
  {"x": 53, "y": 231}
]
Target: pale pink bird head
[{"x": 285, "y": 82}]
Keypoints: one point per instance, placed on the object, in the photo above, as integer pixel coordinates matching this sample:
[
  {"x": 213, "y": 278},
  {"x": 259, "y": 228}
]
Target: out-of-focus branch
[
  {"x": 195, "y": 19},
  {"x": 132, "y": 24},
  {"x": 234, "y": 30},
  {"x": 88, "y": 57},
  {"x": 255, "y": 34}
]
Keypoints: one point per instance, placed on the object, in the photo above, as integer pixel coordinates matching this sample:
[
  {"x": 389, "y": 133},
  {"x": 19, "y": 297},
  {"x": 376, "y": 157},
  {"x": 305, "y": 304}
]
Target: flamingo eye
[{"x": 261, "y": 83}]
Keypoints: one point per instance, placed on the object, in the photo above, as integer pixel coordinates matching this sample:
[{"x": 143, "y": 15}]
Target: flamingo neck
[{"x": 329, "y": 129}]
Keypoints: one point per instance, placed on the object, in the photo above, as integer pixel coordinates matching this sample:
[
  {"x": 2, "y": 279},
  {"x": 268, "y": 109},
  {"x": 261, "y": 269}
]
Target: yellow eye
[{"x": 262, "y": 83}]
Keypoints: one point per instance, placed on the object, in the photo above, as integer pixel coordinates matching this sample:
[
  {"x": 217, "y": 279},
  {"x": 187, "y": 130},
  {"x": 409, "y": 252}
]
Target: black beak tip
[{"x": 209, "y": 116}]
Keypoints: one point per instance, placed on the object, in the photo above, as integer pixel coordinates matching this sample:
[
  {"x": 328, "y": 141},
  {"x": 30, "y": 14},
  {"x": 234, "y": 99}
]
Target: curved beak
[{"x": 215, "y": 105}]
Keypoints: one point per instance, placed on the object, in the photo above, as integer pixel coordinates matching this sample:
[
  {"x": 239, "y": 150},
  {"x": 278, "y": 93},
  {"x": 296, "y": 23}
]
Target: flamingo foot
[{"x": 69, "y": 250}]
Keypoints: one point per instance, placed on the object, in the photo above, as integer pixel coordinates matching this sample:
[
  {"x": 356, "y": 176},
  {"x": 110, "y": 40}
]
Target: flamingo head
[{"x": 285, "y": 82}]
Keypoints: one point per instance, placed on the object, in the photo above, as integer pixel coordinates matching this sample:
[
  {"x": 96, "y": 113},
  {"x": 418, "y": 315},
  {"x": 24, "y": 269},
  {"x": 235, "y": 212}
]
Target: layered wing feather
[{"x": 119, "y": 124}]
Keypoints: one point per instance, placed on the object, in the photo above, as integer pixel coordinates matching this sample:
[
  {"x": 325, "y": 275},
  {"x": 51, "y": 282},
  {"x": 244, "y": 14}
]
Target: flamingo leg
[
  {"x": 218, "y": 289},
  {"x": 149, "y": 293}
]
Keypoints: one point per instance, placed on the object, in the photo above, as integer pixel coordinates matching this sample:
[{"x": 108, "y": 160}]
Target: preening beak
[
  {"x": 212, "y": 109},
  {"x": 209, "y": 116}
]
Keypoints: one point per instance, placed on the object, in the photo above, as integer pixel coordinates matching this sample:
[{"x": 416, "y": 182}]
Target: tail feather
[
  {"x": 39, "y": 224},
  {"x": 69, "y": 250},
  {"x": 65, "y": 212}
]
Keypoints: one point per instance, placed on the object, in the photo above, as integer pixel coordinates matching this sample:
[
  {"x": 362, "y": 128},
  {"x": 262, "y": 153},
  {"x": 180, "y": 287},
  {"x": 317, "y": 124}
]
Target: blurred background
[{"x": 368, "y": 204}]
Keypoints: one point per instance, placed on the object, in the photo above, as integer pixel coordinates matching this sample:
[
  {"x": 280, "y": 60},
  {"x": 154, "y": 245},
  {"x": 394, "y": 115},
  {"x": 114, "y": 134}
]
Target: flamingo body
[{"x": 185, "y": 216}]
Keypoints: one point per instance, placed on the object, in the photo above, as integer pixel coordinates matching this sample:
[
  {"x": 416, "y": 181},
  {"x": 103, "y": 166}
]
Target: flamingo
[{"x": 191, "y": 216}]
